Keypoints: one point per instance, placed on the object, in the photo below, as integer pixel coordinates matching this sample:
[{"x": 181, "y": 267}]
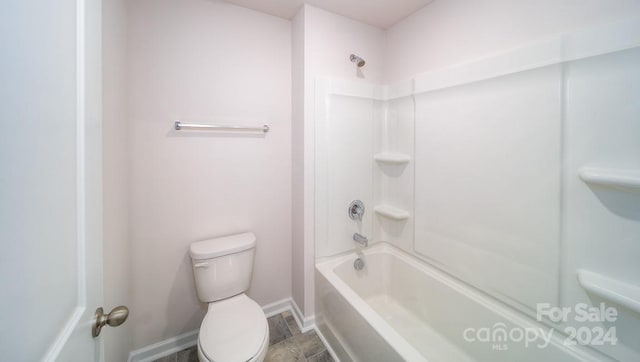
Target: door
[{"x": 50, "y": 179}]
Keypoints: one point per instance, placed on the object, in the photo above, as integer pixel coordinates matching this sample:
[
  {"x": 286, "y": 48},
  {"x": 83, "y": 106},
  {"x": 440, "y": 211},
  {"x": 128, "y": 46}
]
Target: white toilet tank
[{"x": 222, "y": 266}]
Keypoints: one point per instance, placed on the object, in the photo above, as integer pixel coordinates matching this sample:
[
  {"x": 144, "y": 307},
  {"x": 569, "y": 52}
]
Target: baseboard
[
  {"x": 175, "y": 344},
  {"x": 305, "y": 323},
  {"x": 277, "y": 307},
  {"x": 164, "y": 348}
]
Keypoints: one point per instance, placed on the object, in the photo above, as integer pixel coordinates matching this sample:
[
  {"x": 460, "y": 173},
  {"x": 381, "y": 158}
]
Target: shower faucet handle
[{"x": 356, "y": 210}]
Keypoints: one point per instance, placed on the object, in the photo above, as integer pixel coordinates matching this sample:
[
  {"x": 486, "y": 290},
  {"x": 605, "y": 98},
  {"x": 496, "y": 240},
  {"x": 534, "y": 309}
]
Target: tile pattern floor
[{"x": 286, "y": 343}]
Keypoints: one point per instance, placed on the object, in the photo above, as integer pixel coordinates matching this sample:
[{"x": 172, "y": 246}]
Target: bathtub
[{"x": 397, "y": 308}]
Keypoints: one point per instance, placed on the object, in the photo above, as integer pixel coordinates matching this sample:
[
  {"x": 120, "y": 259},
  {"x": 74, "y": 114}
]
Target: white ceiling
[{"x": 380, "y": 13}]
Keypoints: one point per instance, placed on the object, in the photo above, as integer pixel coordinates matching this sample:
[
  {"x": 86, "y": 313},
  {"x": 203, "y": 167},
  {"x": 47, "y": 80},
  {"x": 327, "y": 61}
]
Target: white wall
[
  {"x": 331, "y": 38},
  {"x": 116, "y": 247},
  {"x": 328, "y": 40},
  {"x": 448, "y": 32},
  {"x": 206, "y": 61}
]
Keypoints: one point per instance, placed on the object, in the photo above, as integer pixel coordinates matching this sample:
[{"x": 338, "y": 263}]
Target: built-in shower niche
[{"x": 394, "y": 168}]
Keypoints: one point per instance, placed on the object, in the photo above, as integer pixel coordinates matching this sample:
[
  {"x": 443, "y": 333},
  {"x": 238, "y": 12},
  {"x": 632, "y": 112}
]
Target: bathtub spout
[{"x": 360, "y": 239}]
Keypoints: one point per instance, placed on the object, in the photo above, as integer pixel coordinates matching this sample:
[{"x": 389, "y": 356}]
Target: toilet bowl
[{"x": 235, "y": 328}]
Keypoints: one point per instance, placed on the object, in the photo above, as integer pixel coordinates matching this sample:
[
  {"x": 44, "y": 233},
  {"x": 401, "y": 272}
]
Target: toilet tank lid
[{"x": 225, "y": 245}]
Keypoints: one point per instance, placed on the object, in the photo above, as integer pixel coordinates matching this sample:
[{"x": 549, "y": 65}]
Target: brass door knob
[{"x": 116, "y": 317}]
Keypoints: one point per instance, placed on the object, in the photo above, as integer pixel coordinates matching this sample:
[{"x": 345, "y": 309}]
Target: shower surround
[{"x": 510, "y": 175}]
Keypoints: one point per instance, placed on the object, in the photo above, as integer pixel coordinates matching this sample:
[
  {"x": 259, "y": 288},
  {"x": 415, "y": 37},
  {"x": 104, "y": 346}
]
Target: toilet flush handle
[{"x": 201, "y": 264}]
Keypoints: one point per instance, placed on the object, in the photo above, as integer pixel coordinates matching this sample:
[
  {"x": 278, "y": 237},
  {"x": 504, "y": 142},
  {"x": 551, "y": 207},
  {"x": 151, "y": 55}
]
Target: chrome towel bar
[{"x": 216, "y": 127}]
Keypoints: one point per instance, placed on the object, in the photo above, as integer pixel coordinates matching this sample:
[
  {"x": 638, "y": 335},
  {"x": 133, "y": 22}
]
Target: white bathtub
[{"x": 398, "y": 308}]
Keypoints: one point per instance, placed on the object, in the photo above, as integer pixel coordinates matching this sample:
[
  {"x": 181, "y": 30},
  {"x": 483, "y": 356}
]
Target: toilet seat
[{"x": 234, "y": 329}]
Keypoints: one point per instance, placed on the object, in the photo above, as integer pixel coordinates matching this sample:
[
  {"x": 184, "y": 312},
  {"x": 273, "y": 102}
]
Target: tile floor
[{"x": 286, "y": 343}]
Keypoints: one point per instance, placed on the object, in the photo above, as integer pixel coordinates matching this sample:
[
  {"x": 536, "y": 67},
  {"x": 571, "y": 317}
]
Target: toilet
[{"x": 235, "y": 328}]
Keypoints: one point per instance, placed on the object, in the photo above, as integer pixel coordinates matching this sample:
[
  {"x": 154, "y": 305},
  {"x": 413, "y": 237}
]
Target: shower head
[{"x": 356, "y": 59}]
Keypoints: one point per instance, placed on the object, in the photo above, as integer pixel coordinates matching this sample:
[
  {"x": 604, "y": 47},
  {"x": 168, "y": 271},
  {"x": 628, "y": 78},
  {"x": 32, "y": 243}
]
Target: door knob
[{"x": 116, "y": 317}]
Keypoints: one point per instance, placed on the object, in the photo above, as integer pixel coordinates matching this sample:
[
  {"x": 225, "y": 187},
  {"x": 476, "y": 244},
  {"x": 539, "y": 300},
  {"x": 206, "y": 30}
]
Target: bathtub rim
[{"x": 326, "y": 266}]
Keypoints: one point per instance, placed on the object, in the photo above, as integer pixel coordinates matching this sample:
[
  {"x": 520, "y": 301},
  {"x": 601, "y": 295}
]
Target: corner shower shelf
[
  {"x": 623, "y": 180},
  {"x": 392, "y": 158},
  {"x": 626, "y": 295},
  {"x": 391, "y": 212}
]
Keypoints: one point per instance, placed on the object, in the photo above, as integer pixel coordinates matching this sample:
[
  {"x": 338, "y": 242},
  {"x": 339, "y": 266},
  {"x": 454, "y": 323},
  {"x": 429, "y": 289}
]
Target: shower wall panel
[
  {"x": 344, "y": 169},
  {"x": 488, "y": 161}
]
